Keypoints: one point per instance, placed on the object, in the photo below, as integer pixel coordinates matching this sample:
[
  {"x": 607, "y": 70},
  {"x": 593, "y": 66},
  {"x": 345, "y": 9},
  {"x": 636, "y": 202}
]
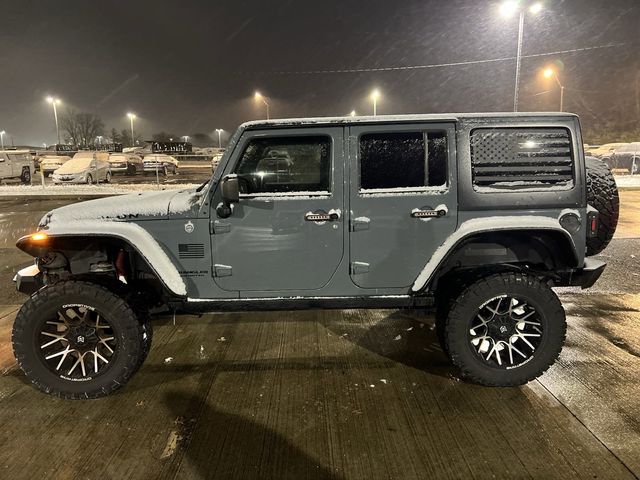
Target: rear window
[{"x": 522, "y": 158}]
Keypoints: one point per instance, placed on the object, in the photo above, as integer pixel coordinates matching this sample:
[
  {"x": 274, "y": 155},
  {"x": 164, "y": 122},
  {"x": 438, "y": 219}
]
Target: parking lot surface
[{"x": 336, "y": 394}]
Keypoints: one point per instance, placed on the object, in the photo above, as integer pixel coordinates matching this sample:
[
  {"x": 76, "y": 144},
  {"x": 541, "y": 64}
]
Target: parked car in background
[
  {"x": 50, "y": 163},
  {"x": 627, "y": 157},
  {"x": 84, "y": 167},
  {"x": 215, "y": 160},
  {"x": 16, "y": 164},
  {"x": 603, "y": 150},
  {"x": 161, "y": 163},
  {"x": 125, "y": 163}
]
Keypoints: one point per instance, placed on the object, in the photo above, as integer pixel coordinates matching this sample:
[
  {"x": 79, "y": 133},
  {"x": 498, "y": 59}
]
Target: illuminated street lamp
[
  {"x": 219, "y": 131},
  {"x": 132, "y": 117},
  {"x": 375, "y": 95},
  {"x": 186, "y": 138},
  {"x": 260, "y": 98},
  {"x": 2, "y": 138},
  {"x": 507, "y": 10},
  {"x": 353, "y": 113},
  {"x": 54, "y": 101},
  {"x": 99, "y": 138},
  {"x": 551, "y": 73}
]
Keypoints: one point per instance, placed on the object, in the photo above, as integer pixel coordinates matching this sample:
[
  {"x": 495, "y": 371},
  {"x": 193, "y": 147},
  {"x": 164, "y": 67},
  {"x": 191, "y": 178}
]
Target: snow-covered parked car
[
  {"x": 50, "y": 163},
  {"x": 125, "y": 163},
  {"x": 16, "y": 164},
  {"x": 84, "y": 167},
  {"x": 161, "y": 163},
  {"x": 626, "y": 157}
]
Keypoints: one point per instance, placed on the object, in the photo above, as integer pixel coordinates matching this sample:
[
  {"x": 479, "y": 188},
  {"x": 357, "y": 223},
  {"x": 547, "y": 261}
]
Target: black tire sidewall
[
  {"x": 44, "y": 305},
  {"x": 539, "y": 296}
]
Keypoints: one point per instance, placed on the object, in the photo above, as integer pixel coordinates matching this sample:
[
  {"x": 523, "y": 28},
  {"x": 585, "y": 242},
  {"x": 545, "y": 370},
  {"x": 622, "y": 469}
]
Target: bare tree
[{"x": 81, "y": 128}]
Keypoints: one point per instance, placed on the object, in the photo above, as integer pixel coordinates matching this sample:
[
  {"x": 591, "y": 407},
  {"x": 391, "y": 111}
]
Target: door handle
[
  {"x": 420, "y": 213},
  {"x": 322, "y": 216}
]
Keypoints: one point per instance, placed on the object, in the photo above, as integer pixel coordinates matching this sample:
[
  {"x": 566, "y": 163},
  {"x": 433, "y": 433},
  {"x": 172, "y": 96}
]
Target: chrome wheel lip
[
  {"x": 506, "y": 331},
  {"x": 65, "y": 357}
]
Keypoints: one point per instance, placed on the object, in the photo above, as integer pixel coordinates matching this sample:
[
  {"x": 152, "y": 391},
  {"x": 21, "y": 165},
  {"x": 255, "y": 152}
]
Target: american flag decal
[{"x": 190, "y": 250}]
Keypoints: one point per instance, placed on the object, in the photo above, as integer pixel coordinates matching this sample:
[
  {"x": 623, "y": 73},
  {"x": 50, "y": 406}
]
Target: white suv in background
[{"x": 16, "y": 164}]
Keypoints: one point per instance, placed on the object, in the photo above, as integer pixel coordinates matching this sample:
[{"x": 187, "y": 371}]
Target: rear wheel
[
  {"x": 78, "y": 340},
  {"x": 505, "y": 330},
  {"x": 107, "y": 177},
  {"x": 26, "y": 175},
  {"x": 89, "y": 179}
]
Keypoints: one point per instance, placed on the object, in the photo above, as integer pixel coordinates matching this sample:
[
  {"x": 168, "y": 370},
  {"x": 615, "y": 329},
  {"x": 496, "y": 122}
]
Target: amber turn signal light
[{"x": 39, "y": 237}]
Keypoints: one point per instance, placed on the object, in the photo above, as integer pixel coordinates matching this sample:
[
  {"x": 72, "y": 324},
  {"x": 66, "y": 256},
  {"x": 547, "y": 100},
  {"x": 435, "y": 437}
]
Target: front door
[
  {"x": 403, "y": 200},
  {"x": 287, "y": 231}
]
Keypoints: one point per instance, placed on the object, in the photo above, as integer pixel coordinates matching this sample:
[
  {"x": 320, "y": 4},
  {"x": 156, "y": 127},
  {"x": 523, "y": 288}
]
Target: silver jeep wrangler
[{"x": 473, "y": 217}]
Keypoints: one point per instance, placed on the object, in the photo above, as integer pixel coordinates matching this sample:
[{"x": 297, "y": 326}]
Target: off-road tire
[
  {"x": 107, "y": 178},
  {"x": 89, "y": 179},
  {"x": 45, "y": 303},
  {"x": 26, "y": 175},
  {"x": 602, "y": 194},
  {"x": 466, "y": 307}
]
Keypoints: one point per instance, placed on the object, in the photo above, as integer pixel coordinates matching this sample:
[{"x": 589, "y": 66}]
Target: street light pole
[
  {"x": 374, "y": 96},
  {"x": 219, "y": 130},
  {"x": 259, "y": 97},
  {"x": 2, "y": 138},
  {"x": 549, "y": 73},
  {"x": 518, "y": 61},
  {"x": 132, "y": 117},
  {"x": 54, "y": 102},
  {"x": 507, "y": 9}
]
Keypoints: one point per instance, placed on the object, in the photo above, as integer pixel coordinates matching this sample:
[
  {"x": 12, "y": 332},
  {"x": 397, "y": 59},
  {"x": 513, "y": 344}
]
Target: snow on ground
[{"x": 57, "y": 190}]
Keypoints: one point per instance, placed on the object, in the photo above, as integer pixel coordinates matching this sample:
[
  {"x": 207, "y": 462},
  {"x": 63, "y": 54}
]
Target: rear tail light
[{"x": 592, "y": 224}]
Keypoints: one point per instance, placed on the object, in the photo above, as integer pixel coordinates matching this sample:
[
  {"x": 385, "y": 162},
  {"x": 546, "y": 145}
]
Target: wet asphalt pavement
[{"x": 336, "y": 394}]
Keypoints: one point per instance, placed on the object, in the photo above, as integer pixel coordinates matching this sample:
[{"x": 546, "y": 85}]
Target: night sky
[{"x": 192, "y": 66}]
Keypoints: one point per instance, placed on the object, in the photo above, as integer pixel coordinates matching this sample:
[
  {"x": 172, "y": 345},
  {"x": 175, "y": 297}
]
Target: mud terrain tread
[
  {"x": 455, "y": 334},
  {"x": 602, "y": 194},
  {"x": 65, "y": 291}
]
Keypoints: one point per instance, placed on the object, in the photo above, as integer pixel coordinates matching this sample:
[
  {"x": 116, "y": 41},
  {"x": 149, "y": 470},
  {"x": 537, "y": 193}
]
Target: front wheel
[
  {"x": 89, "y": 179},
  {"x": 78, "y": 340},
  {"x": 107, "y": 177},
  {"x": 505, "y": 330}
]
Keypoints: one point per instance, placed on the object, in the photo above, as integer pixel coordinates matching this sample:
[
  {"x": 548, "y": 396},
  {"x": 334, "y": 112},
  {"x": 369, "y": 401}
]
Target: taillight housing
[{"x": 593, "y": 222}]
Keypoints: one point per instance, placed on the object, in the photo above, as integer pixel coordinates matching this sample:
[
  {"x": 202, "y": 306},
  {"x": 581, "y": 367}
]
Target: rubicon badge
[{"x": 189, "y": 227}]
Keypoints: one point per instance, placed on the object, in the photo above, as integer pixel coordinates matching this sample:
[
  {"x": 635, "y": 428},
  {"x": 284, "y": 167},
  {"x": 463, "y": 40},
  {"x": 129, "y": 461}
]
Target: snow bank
[{"x": 79, "y": 190}]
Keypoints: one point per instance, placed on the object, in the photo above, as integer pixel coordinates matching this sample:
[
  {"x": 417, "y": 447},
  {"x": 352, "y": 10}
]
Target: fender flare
[
  {"x": 483, "y": 225},
  {"x": 134, "y": 235}
]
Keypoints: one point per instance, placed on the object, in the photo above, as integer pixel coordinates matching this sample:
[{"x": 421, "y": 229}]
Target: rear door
[{"x": 403, "y": 200}]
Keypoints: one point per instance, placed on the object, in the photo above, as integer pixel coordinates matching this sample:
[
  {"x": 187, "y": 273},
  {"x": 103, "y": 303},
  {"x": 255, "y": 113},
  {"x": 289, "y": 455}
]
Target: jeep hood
[{"x": 136, "y": 206}]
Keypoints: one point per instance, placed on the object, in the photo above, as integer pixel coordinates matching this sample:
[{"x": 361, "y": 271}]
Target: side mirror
[{"x": 230, "y": 195}]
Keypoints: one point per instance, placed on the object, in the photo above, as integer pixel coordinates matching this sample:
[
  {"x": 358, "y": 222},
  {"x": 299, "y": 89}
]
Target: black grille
[
  {"x": 190, "y": 250},
  {"x": 515, "y": 158}
]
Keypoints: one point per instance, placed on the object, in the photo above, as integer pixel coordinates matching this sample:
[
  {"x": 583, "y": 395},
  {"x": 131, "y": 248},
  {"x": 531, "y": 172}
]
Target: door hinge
[
  {"x": 222, "y": 270},
  {"x": 359, "y": 267},
  {"x": 360, "y": 223},
  {"x": 217, "y": 227}
]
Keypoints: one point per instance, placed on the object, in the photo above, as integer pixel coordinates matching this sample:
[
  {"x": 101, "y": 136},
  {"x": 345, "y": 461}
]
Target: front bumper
[
  {"x": 588, "y": 275},
  {"x": 29, "y": 280}
]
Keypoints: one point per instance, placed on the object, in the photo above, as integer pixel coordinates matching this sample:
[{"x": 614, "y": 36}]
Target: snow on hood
[{"x": 125, "y": 207}]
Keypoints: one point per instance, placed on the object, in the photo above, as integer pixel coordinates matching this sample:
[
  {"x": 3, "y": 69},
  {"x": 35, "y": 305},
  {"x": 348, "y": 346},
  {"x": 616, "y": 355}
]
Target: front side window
[
  {"x": 286, "y": 165},
  {"x": 403, "y": 160}
]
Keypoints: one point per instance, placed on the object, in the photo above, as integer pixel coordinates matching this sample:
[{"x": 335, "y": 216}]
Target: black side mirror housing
[{"x": 230, "y": 195}]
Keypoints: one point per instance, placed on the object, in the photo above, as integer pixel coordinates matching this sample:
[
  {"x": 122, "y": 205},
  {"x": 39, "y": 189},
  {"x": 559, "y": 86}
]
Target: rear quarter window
[{"x": 508, "y": 159}]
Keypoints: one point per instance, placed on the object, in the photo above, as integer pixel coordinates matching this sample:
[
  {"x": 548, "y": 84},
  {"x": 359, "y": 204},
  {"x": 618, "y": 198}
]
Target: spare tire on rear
[{"x": 602, "y": 194}]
